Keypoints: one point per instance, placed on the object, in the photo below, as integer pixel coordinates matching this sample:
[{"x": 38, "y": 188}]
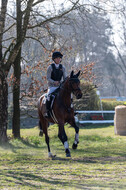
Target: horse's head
[{"x": 75, "y": 84}]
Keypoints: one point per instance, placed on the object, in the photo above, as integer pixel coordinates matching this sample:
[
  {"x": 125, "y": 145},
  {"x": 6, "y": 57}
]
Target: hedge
[
  {"x": 90, "y": 100},
  {"x": 110, "y": 105}
]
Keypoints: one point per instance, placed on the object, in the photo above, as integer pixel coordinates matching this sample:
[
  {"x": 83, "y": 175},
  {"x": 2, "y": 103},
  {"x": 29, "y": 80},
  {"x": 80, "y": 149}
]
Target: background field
[{"x": 98, "y": 163}]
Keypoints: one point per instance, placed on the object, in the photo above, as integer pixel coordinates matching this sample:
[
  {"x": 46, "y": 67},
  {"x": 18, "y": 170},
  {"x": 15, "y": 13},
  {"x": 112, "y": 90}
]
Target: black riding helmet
[{"x": 56, "y": 54}]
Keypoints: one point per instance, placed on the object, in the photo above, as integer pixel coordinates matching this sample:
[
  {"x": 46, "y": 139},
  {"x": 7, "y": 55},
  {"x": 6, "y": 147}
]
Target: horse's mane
[
  {"x": 62, "y": 83},
  {"x": 74, "y": 78}
]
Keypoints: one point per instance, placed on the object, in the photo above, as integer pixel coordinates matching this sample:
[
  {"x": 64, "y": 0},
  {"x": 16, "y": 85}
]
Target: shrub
[
  {"x": 110, "y": 105},
  {"x": 90, "y": 100}
]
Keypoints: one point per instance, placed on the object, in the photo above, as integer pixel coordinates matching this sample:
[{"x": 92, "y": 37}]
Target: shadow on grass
[
  {"x": 9, "y": 146},
  {"x": 94, "y": 126},
  {"x": 49, "y": 180},
  {"x": 19, "y": 143},
  {"x": 94, "y": 146},
  {"x": 30, "y": 144},
  {"x": 32, "y": 180},
  {"x": 101, "y": 160},
  {"x": 86, "y": 160},
  {"x": 99, "y": 154}
]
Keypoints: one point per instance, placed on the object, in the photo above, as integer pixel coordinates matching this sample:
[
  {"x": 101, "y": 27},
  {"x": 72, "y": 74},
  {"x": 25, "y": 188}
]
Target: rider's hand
[{"x": 57, "y": 83}]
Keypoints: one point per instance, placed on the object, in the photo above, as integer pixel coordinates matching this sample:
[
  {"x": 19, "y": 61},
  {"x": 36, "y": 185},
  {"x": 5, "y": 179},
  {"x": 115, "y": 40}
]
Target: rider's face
[{"x": 57, "y": 60}]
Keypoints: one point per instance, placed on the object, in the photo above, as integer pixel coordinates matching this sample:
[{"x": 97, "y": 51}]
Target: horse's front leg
[
  {"x": 63, "y": 137},
  {"x": 76, "y": 140}
]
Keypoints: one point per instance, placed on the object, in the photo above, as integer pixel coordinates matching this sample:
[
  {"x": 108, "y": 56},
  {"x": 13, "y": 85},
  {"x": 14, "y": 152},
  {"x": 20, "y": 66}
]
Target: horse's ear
[
  {"x": 71, "y": 74},
  {"x": 78, "y": 73}
]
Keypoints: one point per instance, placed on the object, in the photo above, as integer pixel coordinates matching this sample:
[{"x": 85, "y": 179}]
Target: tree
[
  {"x": 89, "y": 36},
  {"x": 25, "y": 14},
  {"x": 3, "y": 79},
  {"x": 119, "y": 46}
]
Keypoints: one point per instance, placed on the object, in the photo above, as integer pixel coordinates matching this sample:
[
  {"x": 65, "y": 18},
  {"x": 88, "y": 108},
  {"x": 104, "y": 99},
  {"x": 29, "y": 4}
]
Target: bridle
[{"x": 76, "y": 80}]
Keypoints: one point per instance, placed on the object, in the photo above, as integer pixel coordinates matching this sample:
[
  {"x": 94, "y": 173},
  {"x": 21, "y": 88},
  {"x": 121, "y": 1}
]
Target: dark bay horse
[{"x": 62, "y": 112}]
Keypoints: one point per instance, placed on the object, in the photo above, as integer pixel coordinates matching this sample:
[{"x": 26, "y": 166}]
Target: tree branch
[
  {"x": 9, "y": 28},
  {"x": 54, "y": 17},
  {"x": 36, "y": 39},
  {"x": 120, "y": 56},
  {"x": 26, "y": 18},
  {"x": 37, "y": 2},
  {"x": 2, "y": 23}
]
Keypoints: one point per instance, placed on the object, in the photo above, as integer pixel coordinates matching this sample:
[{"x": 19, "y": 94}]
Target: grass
[{"x": 98, "y": 163}]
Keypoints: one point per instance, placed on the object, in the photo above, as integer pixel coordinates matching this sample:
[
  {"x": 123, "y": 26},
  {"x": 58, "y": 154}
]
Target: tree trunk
[
  {"x": 3, "y": 107},
  {"x": 16, "y": 97},
  {"x": 17, "y": 75}
]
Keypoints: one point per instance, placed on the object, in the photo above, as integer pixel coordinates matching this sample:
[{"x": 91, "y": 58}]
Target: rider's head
[{"x": 57, "y": 55}]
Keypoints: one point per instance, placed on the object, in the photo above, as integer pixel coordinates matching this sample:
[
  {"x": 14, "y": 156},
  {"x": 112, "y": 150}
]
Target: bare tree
[
  {"x": 28, "y": 15},
  {"x": 26, "y": 12}
]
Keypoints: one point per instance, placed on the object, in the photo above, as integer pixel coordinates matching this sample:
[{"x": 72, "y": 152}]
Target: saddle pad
[{"x": 44, "y": 99}]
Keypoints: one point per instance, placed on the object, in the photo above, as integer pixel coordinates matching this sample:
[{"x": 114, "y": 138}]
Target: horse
[{"x": 62, "y": 112}]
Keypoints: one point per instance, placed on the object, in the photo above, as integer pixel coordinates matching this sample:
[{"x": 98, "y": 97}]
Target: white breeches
[{"x": 51, "y": 89}]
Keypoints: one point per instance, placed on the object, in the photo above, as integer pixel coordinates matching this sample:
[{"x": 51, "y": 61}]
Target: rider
[{"x": 55, "y": 73}]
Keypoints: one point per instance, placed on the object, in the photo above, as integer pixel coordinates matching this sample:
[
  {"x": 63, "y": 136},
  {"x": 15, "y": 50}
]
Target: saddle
[
  {"x": 52, "y": 97},
  {"x": 48, "y": 101}
]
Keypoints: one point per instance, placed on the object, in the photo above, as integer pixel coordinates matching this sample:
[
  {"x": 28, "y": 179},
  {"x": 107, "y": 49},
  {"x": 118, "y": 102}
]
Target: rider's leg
[
  {"x": 47, "y": 115},
  {"x": 48, "y": 107},
  {"x": 48, "y": 101}
]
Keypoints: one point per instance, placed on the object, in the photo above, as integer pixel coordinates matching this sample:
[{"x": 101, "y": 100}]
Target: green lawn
[{"x": 98, "y": 163}]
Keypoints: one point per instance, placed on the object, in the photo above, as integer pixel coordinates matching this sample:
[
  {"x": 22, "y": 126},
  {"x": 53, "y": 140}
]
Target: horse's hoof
[
  {"x": 50, "y": 155},
  {"x": 53, "y": 156},
  {"x": 41, "y": 133},
  {"x": 68, "y": 153},
  {"x": 74, "y": 146}
]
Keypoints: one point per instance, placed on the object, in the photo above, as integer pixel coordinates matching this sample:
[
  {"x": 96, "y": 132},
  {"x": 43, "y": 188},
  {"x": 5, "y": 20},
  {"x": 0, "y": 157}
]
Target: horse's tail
[{"x": 41, "y": 130}]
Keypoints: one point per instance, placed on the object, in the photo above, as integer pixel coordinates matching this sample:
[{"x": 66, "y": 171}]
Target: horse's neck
[{"x": 65, "y": 95}]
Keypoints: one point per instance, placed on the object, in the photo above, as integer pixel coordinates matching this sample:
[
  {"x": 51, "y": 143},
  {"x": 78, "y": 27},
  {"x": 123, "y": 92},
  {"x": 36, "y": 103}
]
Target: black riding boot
[{"x": 48, "y": 109}]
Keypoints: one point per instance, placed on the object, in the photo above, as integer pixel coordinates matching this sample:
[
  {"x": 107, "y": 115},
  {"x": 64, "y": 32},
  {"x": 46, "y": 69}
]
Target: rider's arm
[
  {"x": 49, "y": 71},
  {"x": 64, "y": 73}
]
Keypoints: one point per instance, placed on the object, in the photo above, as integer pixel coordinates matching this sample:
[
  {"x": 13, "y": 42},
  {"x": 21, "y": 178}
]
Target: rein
[
  {"x": 76, "y": 80},
  {"x": 68, "y": 108},
  {"x": 62, "y": 86}
]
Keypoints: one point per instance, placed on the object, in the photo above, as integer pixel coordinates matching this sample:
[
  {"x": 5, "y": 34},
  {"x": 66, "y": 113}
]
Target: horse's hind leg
[
  {"x": 47, "y": 137},
  {"x": 41, "y": 130},
  {"x": 47, "y": 142},
  {"x": 44, "y": 124}
]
